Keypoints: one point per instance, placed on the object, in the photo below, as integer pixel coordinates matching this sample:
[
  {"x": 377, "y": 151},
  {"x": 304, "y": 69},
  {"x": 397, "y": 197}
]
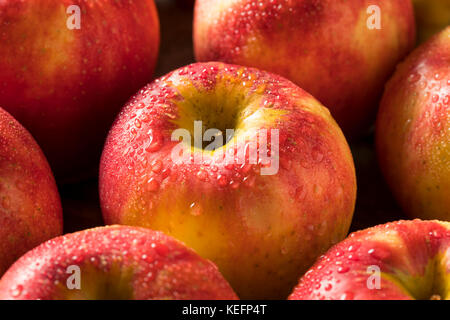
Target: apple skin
[
  {"x": 324, "y": 46},
  {"x": 413, "y": 131},
  {"x": 66, "y": 86},
  {"x": 30, "y": 208},
  {"x": 432, "y": 16},
  {"x": 115, "y": 262},
  {"x": 262, "y": 231},
  {"x": 413, "y": 257}
]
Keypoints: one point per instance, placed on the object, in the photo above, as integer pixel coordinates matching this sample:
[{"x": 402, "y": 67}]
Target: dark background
[{"x": 374, "y": 204}]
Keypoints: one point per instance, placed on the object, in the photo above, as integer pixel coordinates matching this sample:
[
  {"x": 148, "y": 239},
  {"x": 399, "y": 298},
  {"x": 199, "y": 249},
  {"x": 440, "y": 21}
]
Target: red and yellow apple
[
  {"x": 262, "y": 221},
  {"x": 396, "y": 261},
  {"x": 67, "y": 66},
  {"x": 324, "y": 46},
  {"x": 413, "y": 131},
  {"x": 431, "y": 16},
  {"x": 30, "y": 208},
  {"x": 116, "y": 262}
]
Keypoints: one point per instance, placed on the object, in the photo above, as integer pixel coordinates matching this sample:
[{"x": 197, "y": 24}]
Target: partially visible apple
[
  {"x": 432, "y": 16},
  {"x": 395, "y": 261},
  {"x": 114, "y": 262},
  {"x": 413, "y": 131},
  {"x": 30, "y": 208},
  {"x": 262, "y": 220},
  {"x": 64, "y": 84},
  {"x": 327, "y": 47}
]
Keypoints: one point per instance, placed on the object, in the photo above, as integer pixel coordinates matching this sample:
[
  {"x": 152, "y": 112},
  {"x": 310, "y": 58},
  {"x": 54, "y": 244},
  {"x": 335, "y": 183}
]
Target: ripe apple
[
  {"x": 413, "y": 131},
  {"x": 30, "y": 208},
  {"x": 65, "y": 84},
  {"x": 116, "y": 262},
  {"x": 324, "y": 46},
  {"x": 396, "y": 261},
  {"x": 432, "y": 16},
  {"x": 262, "y": 217}
]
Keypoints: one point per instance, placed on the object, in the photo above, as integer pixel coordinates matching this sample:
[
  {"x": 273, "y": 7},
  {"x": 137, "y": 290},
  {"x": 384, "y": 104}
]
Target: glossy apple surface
[
  {"x": 413, "y": 131},
  {"x": 65, "y": 85},
  {"x": 411, "y": 260},
  {"x": 30, "y": 208},
  {"x": 324, "y": 46},
  {"x": 262, "y": 231},
  {"x": 115, "y": 262}
]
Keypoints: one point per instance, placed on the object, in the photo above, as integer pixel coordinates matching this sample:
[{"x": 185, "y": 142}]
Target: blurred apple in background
[
  {"x": 397, "y": 261},
  {"x": 413, "y": 131},
  {"x": 68, "y": 66},
  {"x": 112, "y": 263},
  {"x": 261, "y": 229},
  {"x": 30, "y": 209},
  {"x": 432, "y": 16},
  {"x": 325, "y": 46}
]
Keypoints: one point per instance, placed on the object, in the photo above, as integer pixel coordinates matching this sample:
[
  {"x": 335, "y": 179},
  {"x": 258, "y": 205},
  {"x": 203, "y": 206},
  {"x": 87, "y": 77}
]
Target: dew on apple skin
[
  {"x": 379, "y": 253},
  {"x": 16, "y": 291},
  {"x": 222, "y": 180},
  {"x": 195, "y": 209},
  {"x": 152, "y": 184},
  {"x": 343, "y": 269},
  {"x": 414, "y": 77},
  {"x": 157, "y": 166},
  {"x": 352, "y": 257},
  {"x": 347, "y": 296}
]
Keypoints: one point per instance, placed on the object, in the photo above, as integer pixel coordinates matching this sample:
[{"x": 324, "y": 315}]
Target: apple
[
  {"x": 30, "y": 208},
  {"x": 413, "y": 131},
  {"x": 432, "y": 16},
  {"x": 68, "y": 66},
  {"x": 396, "y": 261},
  {"x": 330, "y": 48},
  {"x": 278, "y": 191},
  {"x": 110, "y": 263}
]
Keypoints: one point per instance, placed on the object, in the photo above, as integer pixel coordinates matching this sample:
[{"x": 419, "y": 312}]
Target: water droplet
[
  {"x": 152, "y": 184},
  {"x": 222, "y": 180},
  {"x": 157, "y": 166},
  {"x": 347, "y": 296},
  {"x": 195, "y": 209},
  {"x": 16, "y": 290},
  {"x": 137, "y": 123},
  {"x": 154, "y": 142},
  {"x": 414, "y": 77},
  {"x": 379, "y": 254},
  {"x": 353, "y": 257},
  {"x": 202, "y": 175},
  {"x": 343, "y": 269}
]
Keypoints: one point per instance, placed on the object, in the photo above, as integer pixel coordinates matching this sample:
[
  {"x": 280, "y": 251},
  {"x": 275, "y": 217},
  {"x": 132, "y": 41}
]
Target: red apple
[
  {"x": 413, "y": 131},
  {"x": 324, "y": 46},
  {"x": 395, "y": 261},
  {"x": 65, "y": 84},
  {"x": 114, "y": 262},
  {"x": 262, "y": 217},
  {"x": 30, "y": 208}
]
